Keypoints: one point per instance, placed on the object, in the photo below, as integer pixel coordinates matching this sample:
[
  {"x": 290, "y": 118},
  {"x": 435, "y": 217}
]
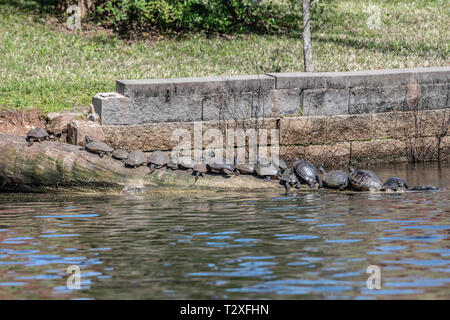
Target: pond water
[{"x": 315, "y": 245}]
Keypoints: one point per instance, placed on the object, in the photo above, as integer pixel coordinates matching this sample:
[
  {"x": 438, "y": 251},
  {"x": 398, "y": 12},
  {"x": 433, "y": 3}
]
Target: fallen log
[{"x": 54, "y": 166}]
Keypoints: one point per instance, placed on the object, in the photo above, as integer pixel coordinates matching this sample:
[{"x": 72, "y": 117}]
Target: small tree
[{"x": 307, "y": 49}]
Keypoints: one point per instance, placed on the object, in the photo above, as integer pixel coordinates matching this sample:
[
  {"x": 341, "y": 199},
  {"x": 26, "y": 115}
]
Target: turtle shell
[
  {"x": 364, "y": 179},
  {"x": 245, "y": 168},
  {"x": 136, "y": 158},
  {"x": 159, "y": 158},
  {"x": 395, "y": 183},
  {"x": 120, "y": 154},
  {"x": 98, "y": 146},
  {"x": 289, "y": 176},
  {"x": 221, "y": 167},
  {"x": 335, "y": 179},
  {"x": 201, "y": 167},
  {"x": 37, "y": 133},
  {"x": 306, "y": 171},
  {"x": 264, "y": 169}
]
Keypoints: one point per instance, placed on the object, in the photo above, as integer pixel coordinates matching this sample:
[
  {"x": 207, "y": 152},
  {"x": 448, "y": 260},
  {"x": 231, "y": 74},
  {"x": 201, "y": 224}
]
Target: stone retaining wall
[
  {"x": 273, "y": 95},
  {"x": 331, "y": 141},
  {"x": 331, "y": 119}
]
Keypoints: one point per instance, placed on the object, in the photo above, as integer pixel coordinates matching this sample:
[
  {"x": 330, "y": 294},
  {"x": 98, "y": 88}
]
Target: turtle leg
[
  {"x": 152, "y": 168},
  {"x": 203, "y": 175},
  {"x": 237, "y": 172},
  {"x": 197, "y": 173},
  {"x": 101, "y": 154},
  {"x": 30, "y": 142},
  {"x": 267, "y": 179},
  {"x": 287, "y": 185}
]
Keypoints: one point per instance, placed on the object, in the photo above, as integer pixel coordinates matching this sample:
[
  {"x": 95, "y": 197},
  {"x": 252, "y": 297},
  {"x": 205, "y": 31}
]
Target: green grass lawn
[{"x": 46, "y": 68}]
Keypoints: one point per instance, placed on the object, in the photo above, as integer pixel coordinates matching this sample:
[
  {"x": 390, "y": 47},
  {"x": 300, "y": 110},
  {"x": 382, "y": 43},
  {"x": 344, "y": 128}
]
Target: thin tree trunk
[{"x": 307, "y": 50}]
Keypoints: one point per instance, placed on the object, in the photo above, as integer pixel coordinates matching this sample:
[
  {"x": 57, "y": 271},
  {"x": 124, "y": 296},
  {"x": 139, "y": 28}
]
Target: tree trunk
[
  {"x": 307, "y": 50},
  {"x": 53, "y": 166}
]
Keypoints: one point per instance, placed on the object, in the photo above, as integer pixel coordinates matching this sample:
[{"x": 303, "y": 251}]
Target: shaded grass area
[{"x": 45, "y": 67}]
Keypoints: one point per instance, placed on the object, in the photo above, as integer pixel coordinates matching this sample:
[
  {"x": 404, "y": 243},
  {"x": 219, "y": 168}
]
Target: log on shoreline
[{"x": 53, "y": 166}]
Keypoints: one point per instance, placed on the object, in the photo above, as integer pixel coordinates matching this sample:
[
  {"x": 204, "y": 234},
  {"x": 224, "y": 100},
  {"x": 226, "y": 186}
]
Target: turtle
[
  {"x": 288, "y": 178},
  {"x": 180, "y": 162},
  {"x": 267, "y": 170},
  {"x": 365, "y": 180},
  {"x": 336, "y": 179},
  {"x": 158, "y": 159},
  {"x": 200, "y": 169},
  {"x": 97, "y": 147},
  {"x": 426, "y": 188},
  {"x": 172, "y": 165},
  {"x": 244, "y": 168},
  {"x": 306, "y": 172},
  {"x": 395, "y": 184},
  {"x": 37, "y": 134},
  {"x": 120, "y": 154},
  {"x": 280, "y": 164},
  {"x": 136, "y": 158},
  {"x": 220, "y": 167}
]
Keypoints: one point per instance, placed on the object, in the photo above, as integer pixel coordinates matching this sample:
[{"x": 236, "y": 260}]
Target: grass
[{"x": 44, "y": 67}]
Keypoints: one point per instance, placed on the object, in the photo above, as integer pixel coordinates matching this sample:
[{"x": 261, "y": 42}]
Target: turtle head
[
  {"x": 235, "y": 160},
  {"x": 322, "y": 170},
  {"x": 351, "y": 169},
  {"x": 88, "y": 140}
]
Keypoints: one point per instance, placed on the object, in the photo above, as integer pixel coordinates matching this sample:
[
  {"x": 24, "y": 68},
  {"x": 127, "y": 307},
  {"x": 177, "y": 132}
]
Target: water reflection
[{"x": 230, "y": 246}]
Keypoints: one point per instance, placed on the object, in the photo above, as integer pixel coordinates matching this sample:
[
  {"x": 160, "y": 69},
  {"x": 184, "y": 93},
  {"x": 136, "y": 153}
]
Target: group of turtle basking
[{"x": 301, "y": 172}]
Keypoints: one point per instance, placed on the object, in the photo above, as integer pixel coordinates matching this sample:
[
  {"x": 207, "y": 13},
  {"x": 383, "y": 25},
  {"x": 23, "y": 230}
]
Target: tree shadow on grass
[{"x": 400, "y": 48}]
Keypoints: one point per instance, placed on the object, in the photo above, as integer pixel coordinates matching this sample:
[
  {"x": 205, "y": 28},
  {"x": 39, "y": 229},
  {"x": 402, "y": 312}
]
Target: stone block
[
  {"x": 324, "y": 102},
  {"x": 433, "y": 96},
  {"x": 290, "y": 153},
  {"x": 251, "y": 132},
  {"x": 78, "y": 130},
  {"x": 349, "y": 128},
  {"x": 377, "y": 99},
  {"x": 376, "y": 151},
  {"x": 286, "y": 102},
  {"x": 391, "y": 125},
  {"x": 335, "y": 155},
  {"x": 303, "y": 130},
  {"x": 113, "y": 108}
]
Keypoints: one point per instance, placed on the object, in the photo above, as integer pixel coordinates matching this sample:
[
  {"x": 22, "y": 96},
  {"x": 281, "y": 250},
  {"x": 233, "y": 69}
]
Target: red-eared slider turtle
[
  {"x": 306, "y": 172},
  {"x": 37, "y": 134},
  {"x": 395, "y": 184},
  {"x": 336, "y": 179},
  {"x": 135, "y": 159},
  {"x": 97, "y": 147},
  {"x": 120, "y": 154},
  {"x": 289, "y": 179},
  {"x": 244, "y": 168},
  {"x": 158, "y": 159},
  {"x": 200, "y": 169},
  {"x": 365, "y": 180},
  {"x": 267, "y": 170}
]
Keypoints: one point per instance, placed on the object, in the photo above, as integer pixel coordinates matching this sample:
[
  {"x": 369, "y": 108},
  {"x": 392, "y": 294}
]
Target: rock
[
  {"x": 78, "y": 130},
  {"x": 58, "y": 122},
  {"x": 93, "y": 117}
]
